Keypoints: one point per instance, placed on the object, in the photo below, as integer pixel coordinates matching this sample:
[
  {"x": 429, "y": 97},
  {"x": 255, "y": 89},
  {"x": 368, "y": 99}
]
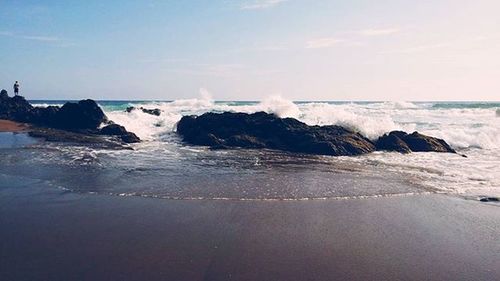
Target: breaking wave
[{"x": 464, "y": 127}]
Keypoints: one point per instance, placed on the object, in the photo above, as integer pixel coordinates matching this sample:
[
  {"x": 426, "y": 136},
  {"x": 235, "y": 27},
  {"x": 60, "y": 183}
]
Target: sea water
[{"x": 163, "y": 167}]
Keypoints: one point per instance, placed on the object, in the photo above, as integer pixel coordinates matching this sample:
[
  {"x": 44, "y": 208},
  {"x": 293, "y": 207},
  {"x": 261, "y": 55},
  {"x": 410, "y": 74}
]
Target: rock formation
[
  {"x": 405, "y": 143},
  {"x": 263, "y": 130},
  {"x": 84, "y": 118}
]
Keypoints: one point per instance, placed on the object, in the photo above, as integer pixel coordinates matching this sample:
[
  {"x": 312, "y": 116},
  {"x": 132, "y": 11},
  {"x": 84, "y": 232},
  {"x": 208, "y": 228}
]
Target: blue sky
[{"x": 248, "y": 50}]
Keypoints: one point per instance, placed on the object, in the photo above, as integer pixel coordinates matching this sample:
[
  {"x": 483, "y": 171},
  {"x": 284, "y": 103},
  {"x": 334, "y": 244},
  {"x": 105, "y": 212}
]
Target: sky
[{"x": 251, "y": 49}]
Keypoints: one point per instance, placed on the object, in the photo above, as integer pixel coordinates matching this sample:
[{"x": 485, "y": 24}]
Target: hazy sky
[{"x": 250, "y": 49}]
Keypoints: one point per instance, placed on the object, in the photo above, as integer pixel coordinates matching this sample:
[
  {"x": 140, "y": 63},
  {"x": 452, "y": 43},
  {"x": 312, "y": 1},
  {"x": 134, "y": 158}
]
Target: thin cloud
[
  {"x": 41, "y": 38},
  {"x": 326, "y": 42},
  {"x": 379, "y": 31},
  {"x": 52, "y": 40},
  {"x": 421, "y": 48},
  {"x": 261, "y": 4}
]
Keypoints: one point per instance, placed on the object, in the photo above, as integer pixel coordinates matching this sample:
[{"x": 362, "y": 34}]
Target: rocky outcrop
[
  {"x": 155, "y": 111},
  {"x": 263, "y": 130},
  {"x": 83, "y": 118},
  {"x": 120, "y": 131},
  {"x": 405, "y": 143},
  {"x": 489, "y": 199},
  {"x": 91, "y": 140},
  {"x": 84, "y": 115},
  {"x": 392, "y": 142},
  {"x": 15, "y": 108}
]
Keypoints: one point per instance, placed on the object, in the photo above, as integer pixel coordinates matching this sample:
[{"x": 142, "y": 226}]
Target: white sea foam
[
  {"x": 46, "y": 104},
  {"x": 279, "y": 106}
]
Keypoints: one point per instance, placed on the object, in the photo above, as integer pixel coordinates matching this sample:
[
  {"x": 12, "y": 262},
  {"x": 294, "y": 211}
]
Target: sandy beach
[{"x": 48, "y": 234}]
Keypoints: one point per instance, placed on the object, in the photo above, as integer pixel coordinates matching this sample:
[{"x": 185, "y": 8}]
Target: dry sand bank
[{"x": 11, "y": 126}]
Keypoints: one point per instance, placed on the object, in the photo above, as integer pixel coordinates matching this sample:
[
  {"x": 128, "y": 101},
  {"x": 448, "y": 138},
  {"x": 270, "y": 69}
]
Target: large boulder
[
  {"x": 263, "y": 130},
  {"x": 403, "y": 142},
  {"x": 14, "y": 108},
  {"x": 84, "y": 115}
]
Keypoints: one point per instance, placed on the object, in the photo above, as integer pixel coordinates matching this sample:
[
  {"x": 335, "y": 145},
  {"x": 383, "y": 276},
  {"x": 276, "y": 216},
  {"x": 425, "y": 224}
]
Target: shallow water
[{"x": 199, "y": 173}]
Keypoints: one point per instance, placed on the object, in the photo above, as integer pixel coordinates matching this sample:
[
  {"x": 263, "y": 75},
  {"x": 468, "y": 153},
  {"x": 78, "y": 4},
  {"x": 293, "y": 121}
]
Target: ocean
[{"x": 163, "y": 167}]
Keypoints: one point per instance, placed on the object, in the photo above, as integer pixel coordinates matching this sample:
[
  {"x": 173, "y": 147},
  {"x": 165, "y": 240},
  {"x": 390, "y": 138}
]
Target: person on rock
[{"x": 16, "y": 88}]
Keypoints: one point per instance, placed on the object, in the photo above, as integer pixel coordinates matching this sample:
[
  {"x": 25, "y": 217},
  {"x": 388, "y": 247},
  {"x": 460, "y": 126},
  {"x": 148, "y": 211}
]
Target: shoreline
[{"x": 100, "y": 237}]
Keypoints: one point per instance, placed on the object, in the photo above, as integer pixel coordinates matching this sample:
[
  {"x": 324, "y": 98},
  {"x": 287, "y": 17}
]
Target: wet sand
[
  {"x": 48, "y": 234},
  {"x": 11, "y": 126}
]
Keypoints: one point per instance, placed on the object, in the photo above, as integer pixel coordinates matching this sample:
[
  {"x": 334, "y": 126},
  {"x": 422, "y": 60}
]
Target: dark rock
[
  {"x": 130, "y": 137},
  {"x": 405, "y": 143},
  {"x": 76, "y": 119},
  {"x": 56, "y": 135},
  {"x": 85, "y": 114},
  {"x": 263, "y": 130},
  {"x": 419, "y": 142},
  {"x": 244, "y": 141},
  {"x": 3, "y": 94},
  {"x": 46, "y": 116},
  {"x": 113, "y": 130},
  {"x": 155, "y": 111},
  {"x": 15, "y": 108},
  {"x": 489, "y": 199},
  {"x": 117, "y": 130},
  {"x": 391, "y": 142}
]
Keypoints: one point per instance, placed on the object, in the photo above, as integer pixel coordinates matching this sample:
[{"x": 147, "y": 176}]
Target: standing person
[{"x": 16, "y": 88}]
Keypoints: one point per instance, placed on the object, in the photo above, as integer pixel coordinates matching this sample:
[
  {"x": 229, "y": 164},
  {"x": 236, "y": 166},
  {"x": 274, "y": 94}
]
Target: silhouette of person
[{"x": 16, "y": 88}]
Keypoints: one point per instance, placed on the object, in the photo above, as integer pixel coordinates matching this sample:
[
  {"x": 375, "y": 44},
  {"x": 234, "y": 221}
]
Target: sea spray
[{"x": 279, "y": 106}]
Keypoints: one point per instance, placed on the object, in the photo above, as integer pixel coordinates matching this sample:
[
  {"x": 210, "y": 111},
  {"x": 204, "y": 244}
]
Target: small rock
[
  {"x": 155, "y": 111},
  {"x": 489, "y": 199},
  {"x": 3, "y": 94},
  {"x": 130, "y": 137},
  {"x": 117, "y": 130},
  {"x": 113, "y": 130},
  {"x": 405, "y": 143}
]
